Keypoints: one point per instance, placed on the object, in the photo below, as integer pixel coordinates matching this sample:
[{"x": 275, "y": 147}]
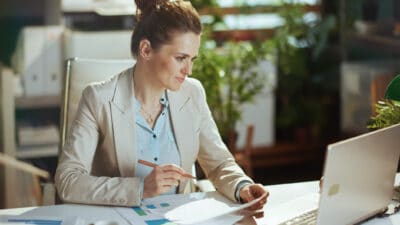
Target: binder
[
  {"x": 31, "y": 57},
  {"x": 38, "y": 58},
  {"x": 53, "y": 62}
]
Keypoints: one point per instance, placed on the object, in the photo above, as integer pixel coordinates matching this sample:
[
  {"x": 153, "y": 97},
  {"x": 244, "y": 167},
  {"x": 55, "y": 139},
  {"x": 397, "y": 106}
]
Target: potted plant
[
  {"x": 227, "y": 73},
  {"x": 388, "y": 110},
  {"x": 306, "y": 90},
  {"x": 388, "y": 113}
]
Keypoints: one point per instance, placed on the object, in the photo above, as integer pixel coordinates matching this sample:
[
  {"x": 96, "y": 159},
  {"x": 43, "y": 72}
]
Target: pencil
[{"x": 150, "y": 164}]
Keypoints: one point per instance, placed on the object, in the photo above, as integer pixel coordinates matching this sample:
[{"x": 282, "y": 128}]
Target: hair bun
[{"x": 148, "y": 5}]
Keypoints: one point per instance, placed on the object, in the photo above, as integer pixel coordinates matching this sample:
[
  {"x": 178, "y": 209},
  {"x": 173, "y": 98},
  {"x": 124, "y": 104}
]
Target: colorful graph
[
  {"x": 164, "y": 204},
  {"x": 151, "y": 206},
  {"x": 139, "y": 211},
  {"x": 148, "y": 209},
  {"x": 159, "y": 222}
]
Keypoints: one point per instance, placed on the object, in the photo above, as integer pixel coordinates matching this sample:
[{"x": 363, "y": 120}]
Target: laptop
[{"x": 358, "y": 181}]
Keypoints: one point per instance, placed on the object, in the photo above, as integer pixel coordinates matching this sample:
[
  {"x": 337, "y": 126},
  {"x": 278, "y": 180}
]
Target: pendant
[{"x": 149, "y": 120}]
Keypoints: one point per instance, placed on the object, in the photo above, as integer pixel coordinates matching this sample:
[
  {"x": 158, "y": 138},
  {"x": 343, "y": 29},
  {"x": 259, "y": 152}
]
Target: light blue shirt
[{"x": 155, "y": 145}]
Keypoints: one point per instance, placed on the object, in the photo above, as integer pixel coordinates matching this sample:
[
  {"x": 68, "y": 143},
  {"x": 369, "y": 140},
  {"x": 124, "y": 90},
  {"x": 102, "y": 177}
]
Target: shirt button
[
  {"x": 163, "y": 113},
  {"x": 155, "y": 158},
  {"x": 154, "y": 136}
]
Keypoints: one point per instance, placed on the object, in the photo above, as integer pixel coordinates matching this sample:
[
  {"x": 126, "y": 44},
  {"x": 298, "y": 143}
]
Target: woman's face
[{"x": 173, "y": 62}]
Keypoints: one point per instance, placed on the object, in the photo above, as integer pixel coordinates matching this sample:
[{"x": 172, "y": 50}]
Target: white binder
[
  {"x": 53, "y": 62},
  {"x": 38, "y": 58}
]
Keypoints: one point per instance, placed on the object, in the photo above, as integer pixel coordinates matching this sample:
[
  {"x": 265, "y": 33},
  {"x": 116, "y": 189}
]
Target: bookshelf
[
  {"x": 385, "y": 43},
  {"x": 37, "y": 127},
  {"x": 13, "y": 110},
  {"x": 363, "y": 37},
  {"x": 37, "y": 102}
]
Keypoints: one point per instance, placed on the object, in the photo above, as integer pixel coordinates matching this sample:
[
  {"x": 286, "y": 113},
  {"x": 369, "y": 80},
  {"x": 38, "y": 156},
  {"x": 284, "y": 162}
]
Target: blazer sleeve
[
  {"x": 73, "y": 180},
  {"x": 214, "y": 157}
]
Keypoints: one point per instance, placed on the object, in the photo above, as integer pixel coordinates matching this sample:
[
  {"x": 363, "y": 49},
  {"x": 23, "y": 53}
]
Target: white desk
[{"x": 278, "y": 194}]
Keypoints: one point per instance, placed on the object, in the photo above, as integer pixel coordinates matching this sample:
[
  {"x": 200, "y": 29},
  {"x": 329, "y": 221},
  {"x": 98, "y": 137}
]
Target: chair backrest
[{"x": 80, "y": 73}]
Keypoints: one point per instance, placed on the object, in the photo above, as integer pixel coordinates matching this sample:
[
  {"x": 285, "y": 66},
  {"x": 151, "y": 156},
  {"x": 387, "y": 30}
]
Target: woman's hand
[
  {"x": 251, "y": 192},
  {"x": 161, "y": 179}
]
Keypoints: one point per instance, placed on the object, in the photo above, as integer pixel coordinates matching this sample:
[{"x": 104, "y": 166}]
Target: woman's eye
[{"x": 180, "y": 59}]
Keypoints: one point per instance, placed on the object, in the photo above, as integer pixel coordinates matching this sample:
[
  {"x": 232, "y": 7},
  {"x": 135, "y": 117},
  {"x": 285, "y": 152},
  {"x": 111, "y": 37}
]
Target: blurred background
[{"x": 283, "y": 78}]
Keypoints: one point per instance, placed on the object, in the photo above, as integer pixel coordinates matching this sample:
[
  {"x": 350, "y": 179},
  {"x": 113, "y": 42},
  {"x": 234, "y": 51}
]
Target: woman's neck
[{"x": 146, "y": 88}]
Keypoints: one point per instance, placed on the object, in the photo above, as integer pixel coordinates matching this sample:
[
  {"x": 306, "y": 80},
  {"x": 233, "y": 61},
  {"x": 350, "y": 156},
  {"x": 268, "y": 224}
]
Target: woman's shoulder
[
  {"x": 193, "y": 87},
  {"x": 192, "y": 83}
]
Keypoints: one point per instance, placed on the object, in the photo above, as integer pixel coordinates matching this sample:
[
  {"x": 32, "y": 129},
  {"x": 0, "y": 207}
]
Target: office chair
[{"x": 78, "y": 74}]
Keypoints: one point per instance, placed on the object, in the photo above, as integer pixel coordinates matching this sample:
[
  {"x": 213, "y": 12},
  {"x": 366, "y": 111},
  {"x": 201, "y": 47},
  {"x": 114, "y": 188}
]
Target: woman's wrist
[{"x": 239, "y": 187}]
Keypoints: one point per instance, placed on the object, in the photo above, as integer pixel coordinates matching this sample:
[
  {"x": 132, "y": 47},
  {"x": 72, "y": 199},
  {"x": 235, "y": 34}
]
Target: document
[{"x": 197, "y": 208}]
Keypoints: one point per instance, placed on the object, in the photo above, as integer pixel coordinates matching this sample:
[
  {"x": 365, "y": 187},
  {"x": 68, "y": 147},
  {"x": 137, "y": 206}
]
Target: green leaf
[{"x": 388, "y": 113}]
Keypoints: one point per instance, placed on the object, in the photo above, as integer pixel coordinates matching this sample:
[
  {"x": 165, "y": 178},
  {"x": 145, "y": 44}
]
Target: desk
[{"x": 278, "y": 194}]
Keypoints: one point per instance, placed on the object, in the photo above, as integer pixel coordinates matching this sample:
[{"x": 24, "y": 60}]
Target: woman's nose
[{"x": 187, "y": 69}]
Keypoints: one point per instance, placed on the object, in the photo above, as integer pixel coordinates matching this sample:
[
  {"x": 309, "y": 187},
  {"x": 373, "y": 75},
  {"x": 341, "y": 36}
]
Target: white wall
[{"x": 261, "y": 113}]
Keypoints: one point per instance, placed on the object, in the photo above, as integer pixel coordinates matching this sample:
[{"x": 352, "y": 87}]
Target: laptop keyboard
[{"x": 307, "y": 218}]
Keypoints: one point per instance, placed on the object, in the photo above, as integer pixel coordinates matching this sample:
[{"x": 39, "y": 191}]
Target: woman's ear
[{"x": 145, "y": 49}]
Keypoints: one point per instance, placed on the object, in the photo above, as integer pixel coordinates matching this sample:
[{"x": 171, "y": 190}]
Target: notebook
[{"x": 358, "y": 181}]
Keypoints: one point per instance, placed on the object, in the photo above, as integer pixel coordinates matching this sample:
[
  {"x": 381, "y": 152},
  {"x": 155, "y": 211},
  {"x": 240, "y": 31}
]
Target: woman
[{"x": 151, "y": 112}]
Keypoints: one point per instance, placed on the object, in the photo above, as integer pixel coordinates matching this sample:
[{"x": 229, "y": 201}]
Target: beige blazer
[{"x": 98, "y": 161}]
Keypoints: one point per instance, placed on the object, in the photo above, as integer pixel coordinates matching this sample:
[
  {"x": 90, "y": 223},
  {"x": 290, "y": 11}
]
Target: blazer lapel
[
  {"x": 123, "y": 121},
  {"x": 183, "y": 128}
]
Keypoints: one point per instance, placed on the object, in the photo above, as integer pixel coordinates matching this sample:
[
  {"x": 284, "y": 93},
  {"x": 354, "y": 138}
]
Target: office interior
[{"x": 321, "y": 68}]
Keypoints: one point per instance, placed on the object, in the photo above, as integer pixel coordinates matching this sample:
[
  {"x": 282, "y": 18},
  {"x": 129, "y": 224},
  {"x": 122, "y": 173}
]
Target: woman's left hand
[{"x": 253, "y": 191}]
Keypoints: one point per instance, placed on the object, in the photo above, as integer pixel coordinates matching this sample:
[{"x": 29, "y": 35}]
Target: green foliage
[
  {"x": 388, "y": 113},
  {"x": 228, "y": 76},
  {"x": 199, "y": 4},
  {"x": 303, "y": 95}
]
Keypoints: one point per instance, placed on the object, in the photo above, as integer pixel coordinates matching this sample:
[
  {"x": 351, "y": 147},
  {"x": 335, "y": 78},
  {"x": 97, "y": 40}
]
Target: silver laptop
[{"x": 358, "y": 181}]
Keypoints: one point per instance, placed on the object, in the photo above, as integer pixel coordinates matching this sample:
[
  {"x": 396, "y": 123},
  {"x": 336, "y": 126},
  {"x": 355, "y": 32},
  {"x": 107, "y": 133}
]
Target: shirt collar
[{"x": 163, "y": 101}]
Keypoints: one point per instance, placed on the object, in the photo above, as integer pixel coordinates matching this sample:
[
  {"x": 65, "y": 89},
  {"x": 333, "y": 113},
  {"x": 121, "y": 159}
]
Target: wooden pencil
[{"x": 150, "y": 164}]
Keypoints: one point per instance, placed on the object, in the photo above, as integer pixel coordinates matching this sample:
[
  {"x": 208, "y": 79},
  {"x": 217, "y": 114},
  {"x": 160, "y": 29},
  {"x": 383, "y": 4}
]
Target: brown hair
[{"x": 158, "y": 19}]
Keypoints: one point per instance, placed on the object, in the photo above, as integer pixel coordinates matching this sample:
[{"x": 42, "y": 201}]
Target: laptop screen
[{"x": 359, "y": 176}]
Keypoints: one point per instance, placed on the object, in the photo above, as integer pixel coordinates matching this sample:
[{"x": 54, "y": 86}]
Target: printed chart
[
  {"x": 196, "y": 208},
  {"x": 150, "y": 210}
]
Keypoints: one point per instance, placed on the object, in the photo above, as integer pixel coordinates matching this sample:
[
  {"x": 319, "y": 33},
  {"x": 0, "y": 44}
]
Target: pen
[{"x": 150, "y": 164}]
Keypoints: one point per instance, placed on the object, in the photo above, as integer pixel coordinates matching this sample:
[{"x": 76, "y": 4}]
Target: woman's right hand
[{"x": 161, "y": 179}]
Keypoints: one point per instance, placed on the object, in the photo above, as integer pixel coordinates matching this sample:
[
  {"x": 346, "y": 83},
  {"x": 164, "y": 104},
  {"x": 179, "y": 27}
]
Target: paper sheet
[
  {"x": 184, "y": 209},
  {"x": 203, "y": 210}
]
